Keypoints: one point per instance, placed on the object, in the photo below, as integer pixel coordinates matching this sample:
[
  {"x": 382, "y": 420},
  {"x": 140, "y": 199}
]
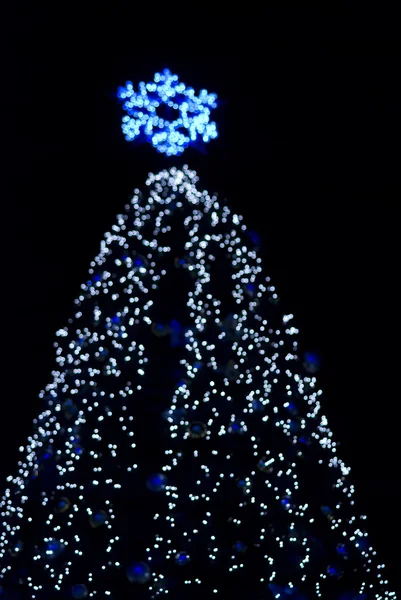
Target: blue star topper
[{"x": 167, "y": 113}]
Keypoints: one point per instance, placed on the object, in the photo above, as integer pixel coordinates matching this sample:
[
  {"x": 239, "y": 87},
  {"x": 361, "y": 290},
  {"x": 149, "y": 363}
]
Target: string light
[
  {"x": 244, "y": 427},
  {"x": 185, "y": 117}
]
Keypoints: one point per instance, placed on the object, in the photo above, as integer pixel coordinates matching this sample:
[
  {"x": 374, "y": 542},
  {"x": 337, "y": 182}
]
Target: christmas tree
[{"x": 182, "y": 448}]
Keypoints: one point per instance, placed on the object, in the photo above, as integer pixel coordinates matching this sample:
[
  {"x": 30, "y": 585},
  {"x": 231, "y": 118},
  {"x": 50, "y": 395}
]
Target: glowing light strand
[{"x": 254, "y": 375}]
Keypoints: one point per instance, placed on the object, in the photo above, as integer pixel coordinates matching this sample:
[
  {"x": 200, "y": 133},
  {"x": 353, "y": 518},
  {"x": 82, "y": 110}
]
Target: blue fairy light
[
  {"x": 156, "y": 482},
  {"x": 98, "y": 518},
  {"x": 184, "y": 262},
  {"x": 240, "y": 546},
  {"x": 235, "y": 427},
  {"x": 138, "y": 572},
  {"x": 327, "y": 511},
  {"x": 53, "y": 548},
  {"x": 257, "y": 405},
  {"x": 245, "y": 485},
  {"x": 182, "y": 558},
  {"x": 78, "y": 450},
  {"x": 311, "y": 362},
  {"x": 63, "y": 504},
  {"x": 197, "y": 429},
  {"x": 79, "y": 591},
  {"x": 342, "y": 550},
  {"x": 46, "y": 454},
  {"x": 334, "y": 572},
  {"x": 159, "y": 329},
  {"x": 250, "y": 289},
  {"x": 188, "y": 115}
]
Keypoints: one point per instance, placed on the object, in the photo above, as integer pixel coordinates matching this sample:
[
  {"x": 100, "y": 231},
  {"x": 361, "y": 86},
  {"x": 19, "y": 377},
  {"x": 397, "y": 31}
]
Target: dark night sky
[{"x": 308, "y": 150}]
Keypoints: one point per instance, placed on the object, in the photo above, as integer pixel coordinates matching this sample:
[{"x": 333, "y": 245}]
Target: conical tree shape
[{"x": 182, "y": 450}]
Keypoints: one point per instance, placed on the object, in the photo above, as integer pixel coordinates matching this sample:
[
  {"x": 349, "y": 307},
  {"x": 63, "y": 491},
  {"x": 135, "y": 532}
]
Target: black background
[{"x": 308, "y": 152}]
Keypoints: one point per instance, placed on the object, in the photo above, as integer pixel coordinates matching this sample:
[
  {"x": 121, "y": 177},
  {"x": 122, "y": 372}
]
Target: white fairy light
[{"x": 265, "y": 373}]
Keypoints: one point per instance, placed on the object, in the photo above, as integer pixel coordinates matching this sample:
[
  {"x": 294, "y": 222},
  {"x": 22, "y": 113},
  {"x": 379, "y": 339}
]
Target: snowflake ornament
[{"x": 167, "y": 113}]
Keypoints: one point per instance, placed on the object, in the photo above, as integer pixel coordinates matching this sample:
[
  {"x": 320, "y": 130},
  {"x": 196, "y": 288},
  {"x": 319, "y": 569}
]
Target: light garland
[
  {"x": 243, "y": 430},
  {"x": 167, "y": 134}
]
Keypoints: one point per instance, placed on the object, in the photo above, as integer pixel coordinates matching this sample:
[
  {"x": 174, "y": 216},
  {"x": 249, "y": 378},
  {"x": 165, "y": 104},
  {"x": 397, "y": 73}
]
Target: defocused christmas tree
[{"x": 182, "y": 448}]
